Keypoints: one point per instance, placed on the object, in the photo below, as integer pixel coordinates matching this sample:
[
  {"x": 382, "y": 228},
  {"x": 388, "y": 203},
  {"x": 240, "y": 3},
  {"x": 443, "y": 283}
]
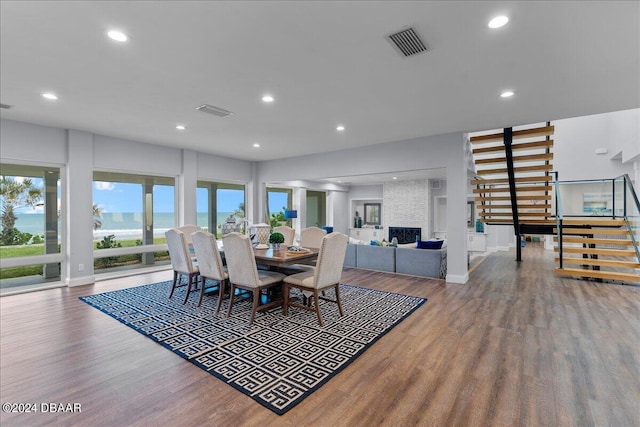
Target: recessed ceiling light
[
  {"x": 340, "y": 128},
  {"x": 181, "y": 127},
  {"x": 118, "y": 36},
  {"x": 49, "y": 95},
  {"x": 507, "y": 94},
  {"x": 267, "y": 98},
  {"x": 498, "y": 21},
  {"x": 395, "y": 177},
  {"x": 256, "y": 145}
]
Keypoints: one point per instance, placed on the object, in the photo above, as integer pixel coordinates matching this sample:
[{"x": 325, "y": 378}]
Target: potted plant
[{"x": 276, "y": 239}]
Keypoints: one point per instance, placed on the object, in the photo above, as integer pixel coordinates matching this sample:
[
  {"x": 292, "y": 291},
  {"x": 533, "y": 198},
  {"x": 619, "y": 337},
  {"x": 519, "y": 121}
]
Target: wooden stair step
[
  {"x": 594, "y": 240},
  {"x": 482, "y": 206},
  {"x": 521, "y": 214},
  {"x": 529, "y": 179},
  {"x": 597, "y": 251},
  {"x": 536, "y": 168},
  {"x": 516, "y": 134},
  {"x": 547, "y": 143},
  {"x": 516, "y": 159},
  {"x": 598, "y": 274},
  {"x": 594, "y": 231},
  {"x": 594, "y": 221},
  {"x": 518, "y": 189},
  {"x": 600, "y": 262},
  {"x": 519, "y": 197}
]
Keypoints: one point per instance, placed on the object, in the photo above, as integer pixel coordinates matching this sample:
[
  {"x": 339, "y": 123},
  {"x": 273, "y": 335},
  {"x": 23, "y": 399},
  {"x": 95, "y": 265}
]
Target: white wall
[
  {"x": 576, "y": 140},
  {"x": 25, "y": 142}
]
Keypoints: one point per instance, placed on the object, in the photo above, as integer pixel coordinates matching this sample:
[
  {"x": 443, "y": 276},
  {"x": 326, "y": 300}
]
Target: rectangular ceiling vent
[
  {"x": 5, "y": 106},
  {"x": 206, "y": 108},
  {"x": 408, "y": 42}
]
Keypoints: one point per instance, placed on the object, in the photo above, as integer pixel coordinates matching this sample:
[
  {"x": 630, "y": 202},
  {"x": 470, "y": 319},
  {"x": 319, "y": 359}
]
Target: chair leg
[
  {"x": 232, "y": 291},
  {"x": 256, "y": 297},
  {"x": 317, "y": 302},
  {"x": 186, "y": 297},
  {"x": 285, "y": 304},
  {"x": 220, "y": 295},
  {"x": 201, "y": 290},
  {"x": 175, "y": 281},
  {"x": 338, "y": 299}
]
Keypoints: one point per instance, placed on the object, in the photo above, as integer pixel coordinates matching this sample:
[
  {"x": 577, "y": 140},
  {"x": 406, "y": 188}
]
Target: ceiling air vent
[
  {"x": 408, "y": 42},
  {"x": 206, "y": 108},
  {"x": 5, "y": 106}
]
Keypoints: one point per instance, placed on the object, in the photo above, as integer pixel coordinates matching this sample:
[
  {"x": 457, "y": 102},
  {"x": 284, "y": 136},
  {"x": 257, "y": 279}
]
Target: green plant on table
[{"x": 276, "y": 238}]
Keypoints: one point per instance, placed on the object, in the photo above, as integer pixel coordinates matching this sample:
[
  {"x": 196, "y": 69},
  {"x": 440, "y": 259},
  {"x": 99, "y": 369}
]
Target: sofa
[{"x": 404, "y": 259}]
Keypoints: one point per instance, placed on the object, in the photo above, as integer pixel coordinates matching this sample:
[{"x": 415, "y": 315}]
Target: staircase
[
  {"x": 515, "y": 186},
  {"x": 515, "y": 164},
  {"x": 597, "y": 248}
]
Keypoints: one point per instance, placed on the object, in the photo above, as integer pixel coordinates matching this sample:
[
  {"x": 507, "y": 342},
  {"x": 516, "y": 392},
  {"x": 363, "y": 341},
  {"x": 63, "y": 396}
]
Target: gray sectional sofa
[{"x": 403, "y": 259}]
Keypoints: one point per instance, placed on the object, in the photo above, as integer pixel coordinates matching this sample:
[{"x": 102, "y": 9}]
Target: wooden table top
[{"x": 283, "y": 258}]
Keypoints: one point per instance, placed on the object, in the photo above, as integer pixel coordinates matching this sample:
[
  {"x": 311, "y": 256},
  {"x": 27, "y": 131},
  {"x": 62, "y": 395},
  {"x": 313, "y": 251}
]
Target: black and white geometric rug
[{"x": 278, "y": 361}]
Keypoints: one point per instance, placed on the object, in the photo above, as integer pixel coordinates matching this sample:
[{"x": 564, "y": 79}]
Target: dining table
[{"x": 283, "y": 257}]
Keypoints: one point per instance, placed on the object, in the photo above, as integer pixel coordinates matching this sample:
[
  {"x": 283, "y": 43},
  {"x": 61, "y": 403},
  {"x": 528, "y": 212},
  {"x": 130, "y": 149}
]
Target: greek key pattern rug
[{"x": 278, "y": 361}]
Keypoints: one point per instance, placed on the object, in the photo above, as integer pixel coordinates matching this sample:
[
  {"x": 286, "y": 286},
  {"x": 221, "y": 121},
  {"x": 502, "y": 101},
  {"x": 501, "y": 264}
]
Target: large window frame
[
  {"x": 214, "y": 221},
  {"x": 52, "y": 259},
  {"x": 152, "y": 242}
]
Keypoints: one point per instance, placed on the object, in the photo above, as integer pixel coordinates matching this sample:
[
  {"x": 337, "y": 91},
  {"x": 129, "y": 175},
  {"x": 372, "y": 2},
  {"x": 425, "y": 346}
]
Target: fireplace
[{"x": 405, "y": 234}]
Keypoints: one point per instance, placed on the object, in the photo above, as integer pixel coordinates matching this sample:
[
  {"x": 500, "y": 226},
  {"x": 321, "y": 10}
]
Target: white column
[
  {"x": 457, "y": 269},
  {"x": 187, "y": 184},
  {"x": 78, "y": 212}
]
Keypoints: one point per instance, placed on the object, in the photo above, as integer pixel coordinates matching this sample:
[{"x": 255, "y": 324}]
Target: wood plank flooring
[{"x": 516, "y": 346}]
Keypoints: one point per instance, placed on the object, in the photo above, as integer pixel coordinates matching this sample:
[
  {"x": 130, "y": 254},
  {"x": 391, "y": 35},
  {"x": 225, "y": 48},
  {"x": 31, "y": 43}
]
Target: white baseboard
[
  {"x": 498, "y": 249},
  {"x": 457, "y": 278},
  {"x": 79, "y": 281}
]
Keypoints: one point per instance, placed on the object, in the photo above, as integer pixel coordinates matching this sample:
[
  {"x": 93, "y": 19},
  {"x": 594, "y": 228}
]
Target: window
[
  {"x": 218, "y": 202},
  {"x": 278, "y": 200},
  {"x": 30, "y": 236},
  {"x": 131, "y": 210}
]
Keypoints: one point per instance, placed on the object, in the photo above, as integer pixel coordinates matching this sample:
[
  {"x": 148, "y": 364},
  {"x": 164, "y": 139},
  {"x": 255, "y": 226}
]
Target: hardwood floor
[{"x": 516, "y": 345}]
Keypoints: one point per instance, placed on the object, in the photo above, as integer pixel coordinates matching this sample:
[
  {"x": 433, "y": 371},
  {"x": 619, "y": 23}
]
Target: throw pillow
[{"x": 430, "y": 244}]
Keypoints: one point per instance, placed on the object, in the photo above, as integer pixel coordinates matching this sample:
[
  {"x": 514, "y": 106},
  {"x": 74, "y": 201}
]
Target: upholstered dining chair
[
  {"x": 326, "y": 275},
  {"x": 181, "y": 261},
  {"x": 209, "y": 263},
  {"x": 288, "y": 233},
  {"x": 311, "y": 237},
  {"x": 188, "y": 230},
  {"x": 244, "y": 274}
]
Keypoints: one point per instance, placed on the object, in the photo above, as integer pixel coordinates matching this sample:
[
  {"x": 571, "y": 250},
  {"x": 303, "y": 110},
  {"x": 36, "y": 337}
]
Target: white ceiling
[{"x": 326, "y": 63}]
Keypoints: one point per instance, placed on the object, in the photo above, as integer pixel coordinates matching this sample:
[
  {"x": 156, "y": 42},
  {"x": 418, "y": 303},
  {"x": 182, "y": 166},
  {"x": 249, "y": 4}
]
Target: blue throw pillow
[
  {"x": 374, "y": 243},
  {"x": 430, "y": 244}
]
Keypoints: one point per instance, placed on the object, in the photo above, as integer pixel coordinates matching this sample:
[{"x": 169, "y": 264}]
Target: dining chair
[
  {"x": 311, "y": 237},
  {"x": 188, "y": 230},
  {"x": 327, "y": 274},
  {"x": 244, "y": 274},
  {"x": 181, "y": 261},
  {"x": 288, "y": 233},
  {"x": 209, "y": 263}
]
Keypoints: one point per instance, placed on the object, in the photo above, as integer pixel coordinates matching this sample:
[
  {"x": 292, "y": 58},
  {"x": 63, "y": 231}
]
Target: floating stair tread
[
  {"x": 516, "y": 134},
  {"x": 521, "y": 169},
  {"x": 594, "y": 231},
  {"x": 600, "y": 262},
  {"x": 520, "y": 197},
  {"x": 525, "y": 158},
  {"x": 597, "y": 222},
  {"x": 518, "y": 188},
  {"x": 529, "y": 179},
  {"x": 594, "y": 240},
  {"x": 522, "y": 146},
  {"x": 521, "y": 214},
  {"x": 597, "y": 251},
  {"x": 598, "y": 274}
]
